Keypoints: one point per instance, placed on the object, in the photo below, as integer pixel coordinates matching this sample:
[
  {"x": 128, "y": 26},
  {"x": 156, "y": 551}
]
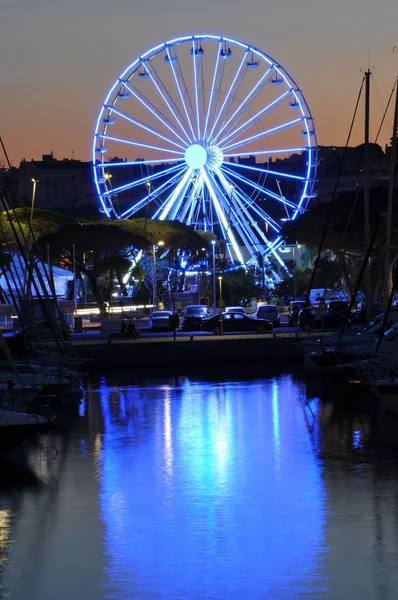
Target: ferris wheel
[{"x": 212, "y": 132}]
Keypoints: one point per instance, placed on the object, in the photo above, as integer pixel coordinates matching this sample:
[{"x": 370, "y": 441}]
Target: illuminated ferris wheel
[{"x": 214, "y": 133}]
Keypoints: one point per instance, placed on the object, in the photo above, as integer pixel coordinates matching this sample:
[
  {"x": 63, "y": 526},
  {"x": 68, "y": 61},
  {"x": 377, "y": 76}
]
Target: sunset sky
[{"x": 58, "y": 59}]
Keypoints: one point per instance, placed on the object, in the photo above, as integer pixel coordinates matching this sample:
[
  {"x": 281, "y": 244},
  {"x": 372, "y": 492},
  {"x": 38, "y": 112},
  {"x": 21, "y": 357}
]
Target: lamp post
[
  {"x": 155, "y": 292},
  {"x": 148, "y": 185},
  {"x": 32, "y": 204},
  {"x": 213, "y": 243},
  {"x": 221, "y": 315},
  {"x": 74, "y": 278}
]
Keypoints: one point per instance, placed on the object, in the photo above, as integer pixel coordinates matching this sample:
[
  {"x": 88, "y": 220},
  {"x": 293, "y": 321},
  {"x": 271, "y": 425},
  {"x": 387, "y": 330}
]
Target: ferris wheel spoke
[
  {"x": 184, "y": 83},
  {"x": 196, "y": 86},
  {"x": 212, "y": 90},
  {"x": 218, "y": 89},
  {"x": 103, "y": 165},
  {"x": 143, "y": 126},
  {"x": 180, "y": 189},
  {"x": 143, "y": 180},
  {"x": 164, "y": 97},
  {"x": 241, "y": 221},
  {"x": 259, "y": 188},
  {"x": 139, "y": 144},
  {"x": 180, "y": 92},
  {"x": 152, "y": 109},
  {"x": 264, "y": 171},
  {"x": 263, "y": 134},
  {"x": 183, "y": 197},
  {"x": 271, "y": 106},
  {"x": 234, "y": 97},
  {"x": 248, "y": 204},
  {"x": 196, "y": 186},
  {"x": 242, "y": 202},
  {"x": 154, "y": 192},
  {"x": 231, "y": 87},
  {"x": 243, "y": 104},
  {"x": 221, "y": 215},
  {"x": 263, "y": 238},
  {"x": 268, "y": 152}
]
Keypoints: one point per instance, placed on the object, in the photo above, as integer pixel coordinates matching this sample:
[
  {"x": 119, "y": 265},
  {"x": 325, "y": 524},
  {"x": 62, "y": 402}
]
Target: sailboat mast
[
  {"x": 368, "y": 286},
  {"x": 393, "y": 160}
]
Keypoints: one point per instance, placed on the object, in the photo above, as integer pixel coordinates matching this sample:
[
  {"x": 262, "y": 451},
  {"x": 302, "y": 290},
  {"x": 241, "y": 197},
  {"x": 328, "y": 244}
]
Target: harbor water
[{"x": 204, "y": 489}]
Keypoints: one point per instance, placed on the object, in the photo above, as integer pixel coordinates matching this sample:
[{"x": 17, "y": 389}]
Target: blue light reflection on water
[{"x": 210, "y": 491}]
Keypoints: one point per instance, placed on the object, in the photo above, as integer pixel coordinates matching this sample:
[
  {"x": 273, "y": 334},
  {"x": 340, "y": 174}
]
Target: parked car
[
  {"x": 359, "y": 314},
  {"x": 159, "y": 320},
  {"x": 193, "y": 317},
  {"x": 268, "y": 312},
  {"x": 235, "y": 309},
  {"x": 235, "y": 322},
  {"x": 339, "y": 306},
  {"x": 321, "y": 318},
  {"x": 294, "y": 308}
]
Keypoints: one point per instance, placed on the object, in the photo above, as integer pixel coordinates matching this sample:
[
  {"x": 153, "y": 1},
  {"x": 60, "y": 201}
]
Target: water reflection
[
  {"x": 189, "y": 489},
  {"x": 207, "y": 489}
]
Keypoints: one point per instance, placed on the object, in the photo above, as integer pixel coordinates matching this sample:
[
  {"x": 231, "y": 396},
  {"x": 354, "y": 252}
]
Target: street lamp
[
  {"x": 221, "y": 315},
  {"x": 149, "y": 186},
  {"x": 155, "y": 293},
  {"x": 213, "y": 243},
  {"x": 35, "y": 182}
]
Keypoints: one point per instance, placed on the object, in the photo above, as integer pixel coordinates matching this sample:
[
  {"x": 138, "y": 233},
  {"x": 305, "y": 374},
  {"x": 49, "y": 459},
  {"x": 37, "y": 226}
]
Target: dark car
[
  {"x": 294, "y": 308},
  {"x": 321, "y": 318},
  {"x": 193, "y": 317},
  {"x": 269, "y": 312},
  {"x": 359, "y": 314},
  {"x": 340, "y": 307},
  {"x": 235, "y": 322}
]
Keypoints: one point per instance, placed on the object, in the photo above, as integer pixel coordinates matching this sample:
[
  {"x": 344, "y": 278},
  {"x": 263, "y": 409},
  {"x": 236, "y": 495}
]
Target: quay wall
[{"x": 201, "y": 351}]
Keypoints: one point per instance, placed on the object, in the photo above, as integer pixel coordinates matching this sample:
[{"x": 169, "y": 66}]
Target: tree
[
  {"x": 44, "y": 222},
  {"x": 100, "y": 248},
  {"x": 237, "y": 285},
  {"x": 345, "y": 233}
]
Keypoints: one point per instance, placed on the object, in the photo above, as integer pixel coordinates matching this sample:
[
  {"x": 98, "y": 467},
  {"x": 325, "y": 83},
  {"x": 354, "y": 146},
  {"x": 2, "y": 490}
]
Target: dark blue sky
[{"x": 59, "y": 58}]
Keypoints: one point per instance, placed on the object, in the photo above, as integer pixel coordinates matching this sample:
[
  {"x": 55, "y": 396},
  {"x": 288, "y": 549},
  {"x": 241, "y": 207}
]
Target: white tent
[{"x": 17, "y": 275}]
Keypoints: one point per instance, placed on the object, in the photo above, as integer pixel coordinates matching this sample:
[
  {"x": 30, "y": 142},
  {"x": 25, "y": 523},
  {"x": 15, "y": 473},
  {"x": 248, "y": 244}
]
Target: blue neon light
[
  {"x": 148, "y": 105},
  {"x": 228, "y": 94},
  {"x": 268, "y": 171},
  {"x": 258, "y": 187},
  {"x": 262, "y": 134},
  {"x": 153, "y": 193},
  {"x": 140, "y": 144},
  {"x": 140, "y": 124},
  {"x": 180, "y": 94},
  {"x": 144, "y": 180},
  {"x": 241, "y": 105},
  {"x": 212, "y": 90},
  {"x": 255, "y": 117},
  {"x": 196, "y": 88},
  {"x": 166, "y": 101}
]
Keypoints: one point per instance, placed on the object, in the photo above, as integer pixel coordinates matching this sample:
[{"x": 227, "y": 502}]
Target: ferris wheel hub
[{"x": 196, "y": 156}]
